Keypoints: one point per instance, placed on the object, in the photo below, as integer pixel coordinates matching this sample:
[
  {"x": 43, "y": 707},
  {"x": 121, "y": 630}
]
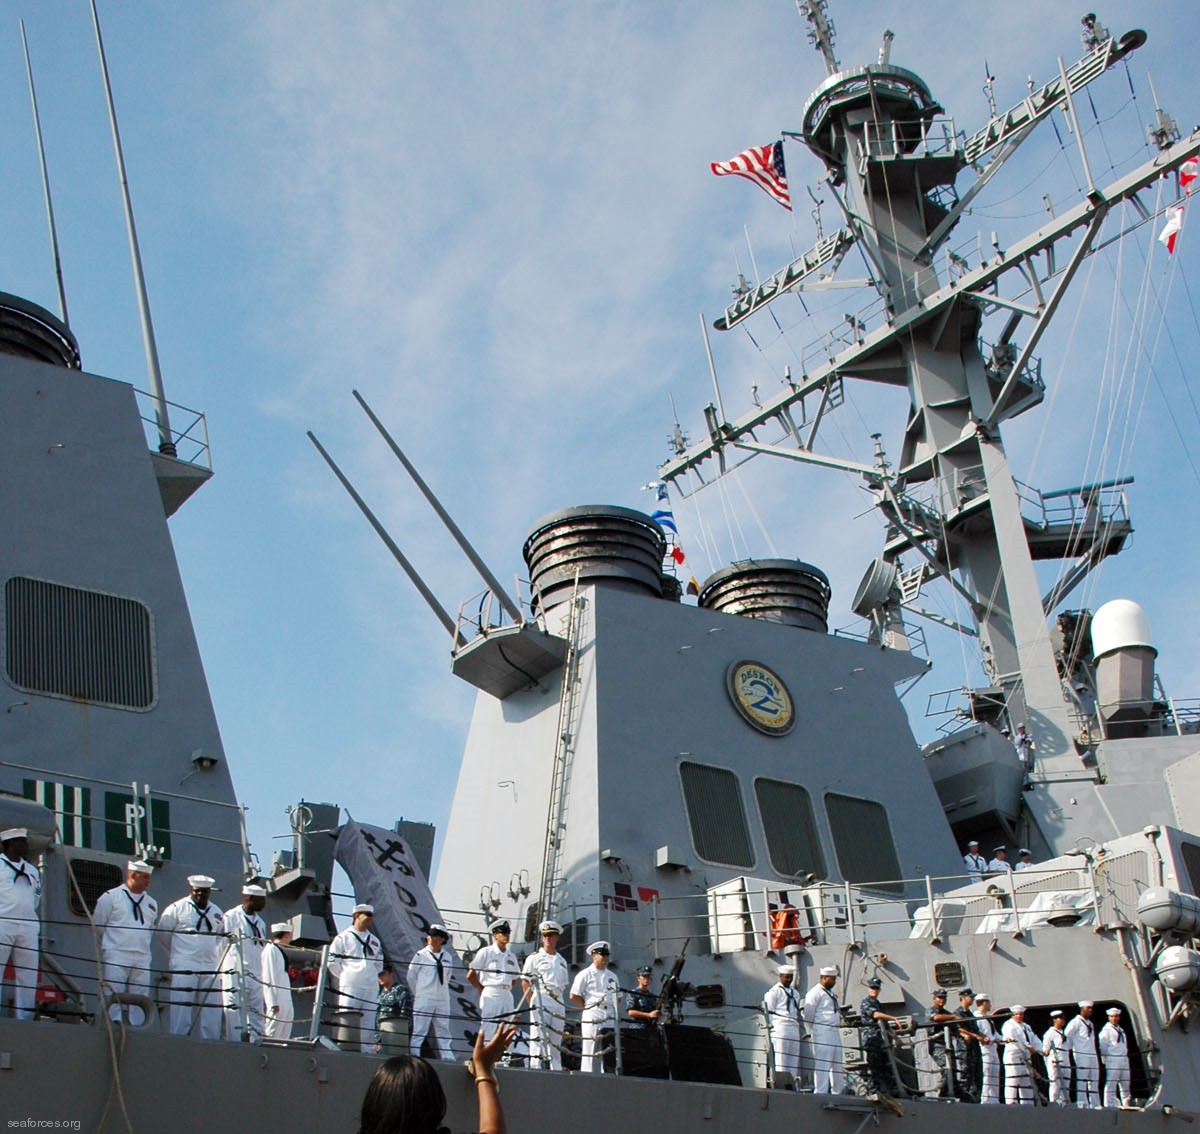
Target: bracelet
[{"x": 487, "y": 1079}]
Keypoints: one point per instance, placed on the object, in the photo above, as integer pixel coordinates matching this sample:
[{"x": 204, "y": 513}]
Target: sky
[{"x": 497, "y": 223}]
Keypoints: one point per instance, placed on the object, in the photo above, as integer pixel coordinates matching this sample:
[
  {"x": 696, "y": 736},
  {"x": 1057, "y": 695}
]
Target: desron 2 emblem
[{"x": 761, "y": 697}]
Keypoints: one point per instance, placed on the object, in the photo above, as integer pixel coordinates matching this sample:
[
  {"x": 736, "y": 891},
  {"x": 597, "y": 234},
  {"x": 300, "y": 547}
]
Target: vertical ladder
[{"x": 564, "y": 747}]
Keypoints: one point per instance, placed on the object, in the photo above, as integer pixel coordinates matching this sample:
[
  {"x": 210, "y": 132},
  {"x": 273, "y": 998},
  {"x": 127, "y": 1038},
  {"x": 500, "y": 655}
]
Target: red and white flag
[
  {"x": 1172, "y": 228},
  {"x": 764, "y": 166},
  {"x": 1188, "y": 172}
]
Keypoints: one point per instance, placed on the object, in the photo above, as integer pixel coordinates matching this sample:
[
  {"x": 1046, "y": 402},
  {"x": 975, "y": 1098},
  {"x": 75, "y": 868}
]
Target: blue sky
[{"x": 497, "y": 222}]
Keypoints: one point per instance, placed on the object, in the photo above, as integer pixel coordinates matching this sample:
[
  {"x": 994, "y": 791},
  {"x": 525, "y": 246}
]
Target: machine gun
[{"x": 670, "y": 996}]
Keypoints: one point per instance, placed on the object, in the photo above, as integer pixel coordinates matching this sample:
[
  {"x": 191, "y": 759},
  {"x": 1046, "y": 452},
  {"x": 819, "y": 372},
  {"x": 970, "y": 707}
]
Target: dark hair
[{"x": 404, "y": 1097}]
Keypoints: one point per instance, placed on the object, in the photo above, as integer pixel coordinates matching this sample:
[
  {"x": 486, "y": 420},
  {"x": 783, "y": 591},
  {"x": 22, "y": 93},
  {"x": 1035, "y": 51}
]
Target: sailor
[
  {"x": 278, "y": 1010},
  {"x": 1025, "y": 747},
  {"x": 429, "y": 980},
  {"x": 20, "y": 896},
  {"x": 355, "y": 961},
  {"x": 545, "y": 978},
  {"x": 1020, "y": 1042},
  {"x": 642, "y": 1003},
  {"x": 1081, "y": 1043},
  {"x": 975, "y": 863},
  {"x": 1114, "y": 1051},
  {"x": 125, "y": 916},
  {"x": 1058, "y": 1061},
  {"x": 940, "y": 1016},
  {"x": 823, "y": 1015},
  {"x": 1024, "y": 860},
  {"x": 594, "y": 990},
  {"x": 880, "y": 1074},
  {"x": 989, "y": 1093},
  {"x": 395, "y": 1003},
  {"x": 495, "y": 971},
  {"x": 782, "y": 1006},
  {"x": 999, "y": 863},
  {"x": 241, "y": 967},
  {"x": 193, "y": 932},
  {"x": 968, "y": 1044}
]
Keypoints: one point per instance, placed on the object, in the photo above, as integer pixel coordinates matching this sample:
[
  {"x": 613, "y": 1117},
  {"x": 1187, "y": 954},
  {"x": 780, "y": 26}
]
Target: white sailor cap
[
  {"x": 438, "y": 930},
  {"x": 201, "y": 882},
  {"x": 549, "y": 926},
  {"x": 1016, "y": 1009},
  {"x": 983, "y": 996},
  {"x": 1085, "y": 1004},
  {"x": 14, "y": 833},
  {"x": 598, "y": 947},
  {"x": 997, "y": 850},
  {"x": 1056, "y": 1012},
  {"x": 253, "y": 891},
  {"x": 828, "y": 970},
  {"x": 281, "y": 927},
  {"x": 1024, "y": 850},
  {"x": 1113, "y": 1012},
  {"x": 785, "y": 969},
  {"x": 137, "y": 866},
  {"x": 973, "y": 843},
  {"x": 363, "y": 907},
  {"x": 501, "y": 926}
]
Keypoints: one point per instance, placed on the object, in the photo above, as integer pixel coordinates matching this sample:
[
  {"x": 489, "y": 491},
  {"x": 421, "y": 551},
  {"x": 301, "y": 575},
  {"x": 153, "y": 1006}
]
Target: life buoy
[{"x": 785, "y": 927}]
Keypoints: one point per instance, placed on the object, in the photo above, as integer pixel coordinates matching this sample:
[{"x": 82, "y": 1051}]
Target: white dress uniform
[
  {"x": 989, "y": 1094},
  {"x": 824, "y": 1020},
  {"x": 1081, "y": 1043},
  {"x": 429, "y": 983},
  {"x": 20, "y": 895},
  {"x": 194, "y": 938},
  {"x": 596, "y": 988},
  {"x": 976, "y": 866},
  {"x": 126, "y": 923},
  {"x": 241, "y": 981},
  {"x": 549, "y": 978},
  {"x": 1058, "y": 1066},
  {"x": 1114, "y": 1050},
  {"x": 278, "y": 1011},
  {"x": 782, "y": 1006},
  {"x": 497, "y": 969},
  {"x": 1021, "y": 1043},
  {"x": 356, "y": 959}
]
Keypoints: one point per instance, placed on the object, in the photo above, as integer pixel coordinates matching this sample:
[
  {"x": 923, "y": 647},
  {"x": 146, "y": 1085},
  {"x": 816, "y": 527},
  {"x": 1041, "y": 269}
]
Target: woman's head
[{"x": 404, "y": 1097}]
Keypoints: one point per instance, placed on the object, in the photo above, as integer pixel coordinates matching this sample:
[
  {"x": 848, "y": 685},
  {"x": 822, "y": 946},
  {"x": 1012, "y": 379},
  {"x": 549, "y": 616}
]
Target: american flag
[{"x": 764, "y": 166}]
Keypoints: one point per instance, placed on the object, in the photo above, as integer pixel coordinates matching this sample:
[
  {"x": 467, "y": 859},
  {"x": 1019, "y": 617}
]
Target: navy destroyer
[{"x": 718, "y": 791}]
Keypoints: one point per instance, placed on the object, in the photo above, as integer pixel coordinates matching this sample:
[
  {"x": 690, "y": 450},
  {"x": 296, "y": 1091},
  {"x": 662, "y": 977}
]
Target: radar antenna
[{"x": 821, "y": 31}]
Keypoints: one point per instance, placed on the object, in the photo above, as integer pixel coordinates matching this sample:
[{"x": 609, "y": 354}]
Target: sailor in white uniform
[
  {"x": 193, "y": 932},
  {"x": 125, "y": 916},
  {"x": 1020, "y": 1042},
  {"x": 355, "y": 961},
  {"x": 822, "y": 1014},
  {"x": 1024, "y": 860},
  {"x": 429, "y": 983},
  {"x": 1114, "y": 1050},
  {"x": 989, "y": 1094},
  {"x": 782, "y": 1005},
  {"x": 546, "y": 978},
  {"x": 975, "y": 863},
  {"x": 241, "y": 967},
  {"x": 999, "y": 863},
  {"x": 279, "y": 1012},
  {"x": 1058, "y": 1060},
  {"x": 1081, "y": 1043},
  {"x": 595, "y": 990},
  {"x": 495, "y": 971},
  {"x": 20, "y": 895}
]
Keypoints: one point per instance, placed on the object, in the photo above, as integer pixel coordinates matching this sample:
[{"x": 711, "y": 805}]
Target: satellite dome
[{"x": 1120, "y": 625}]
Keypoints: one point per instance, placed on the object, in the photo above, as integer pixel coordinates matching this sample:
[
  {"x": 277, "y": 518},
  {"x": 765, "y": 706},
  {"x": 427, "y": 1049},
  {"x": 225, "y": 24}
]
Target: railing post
[
  {"x": 935, "y": 920},
  {"x": 616, "y": 1007},
  {"x": 314, "y": 1029},
  {"x": 850, "y": 914},
  {"x": 1012, "y": 890}
]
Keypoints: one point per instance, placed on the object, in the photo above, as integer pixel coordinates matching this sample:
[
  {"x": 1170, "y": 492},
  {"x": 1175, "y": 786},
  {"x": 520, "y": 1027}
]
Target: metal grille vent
[
  {"x": 85, "y": 645},
  {"x": 716, "y": 814},
  {"x": 91, "y": 879},
  {"x": 863, "y": 840},
  {"x": 787, "y": 818}
]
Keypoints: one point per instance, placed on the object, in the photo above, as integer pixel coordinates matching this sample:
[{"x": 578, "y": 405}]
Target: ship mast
[{"x": 951, "y": 501}]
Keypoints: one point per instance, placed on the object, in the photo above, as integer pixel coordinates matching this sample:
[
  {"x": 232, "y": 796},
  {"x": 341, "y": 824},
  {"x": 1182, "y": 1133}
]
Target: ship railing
[
  {"x": 190, "y": 439},
  {"x": 893, "y": 138}
]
